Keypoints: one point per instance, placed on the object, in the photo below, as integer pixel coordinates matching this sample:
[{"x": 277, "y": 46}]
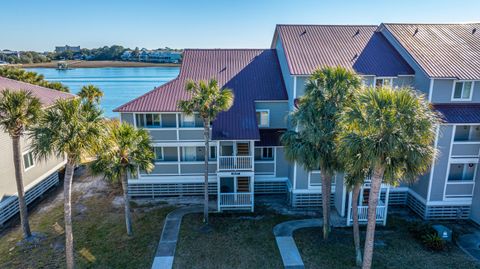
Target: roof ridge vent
[
  {"x": 474, "y": 30},
  {"x": 416, "y": 31}
]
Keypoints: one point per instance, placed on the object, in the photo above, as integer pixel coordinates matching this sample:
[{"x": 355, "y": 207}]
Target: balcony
[
  {"x": 229, "y": 163},
  {"x": 239, "y": 200},
  {"x": 363, "y": 214}
]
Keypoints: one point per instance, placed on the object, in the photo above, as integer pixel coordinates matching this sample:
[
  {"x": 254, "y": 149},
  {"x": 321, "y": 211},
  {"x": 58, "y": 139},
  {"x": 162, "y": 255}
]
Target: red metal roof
[
  {"x": 356, "y": 47},
  {"x": 442, "y": 50},
  {"x": 252, "y": 74},
  {"x": 47, "y": 96}
]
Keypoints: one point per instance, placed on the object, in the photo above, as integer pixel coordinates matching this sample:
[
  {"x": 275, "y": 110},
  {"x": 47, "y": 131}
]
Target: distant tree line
[
  {"x": 105, "y": 53},
  {"x": 31, "y": 77}
]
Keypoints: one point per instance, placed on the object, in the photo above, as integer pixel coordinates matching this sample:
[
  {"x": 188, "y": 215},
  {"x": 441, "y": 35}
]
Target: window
[
  {"x": 189, "y": 154},
  {"x": 462, "y": 172},
  {"x": 263, "y": 118},
  {"x": 267, "y": 153},
  {"x": 188, "y": 120},
  {"x": 148, "y": 120},
  {"x": 467, "y": 133},
  {"x": 158, "y": 153},
  {"x": 28, "y": 161},
  {"x": 213, "y": 153},
  {"x": 462, "y": 91},
  {"x": 384, "y": 82}
]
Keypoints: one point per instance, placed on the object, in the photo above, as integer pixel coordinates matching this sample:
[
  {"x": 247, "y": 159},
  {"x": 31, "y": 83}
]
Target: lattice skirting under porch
[
  {"x": 438, "y": 212},
  {"x": 309, "y": 200},
  {"x": 194, "y": 189},
  {"x": 9, "y": 207}
]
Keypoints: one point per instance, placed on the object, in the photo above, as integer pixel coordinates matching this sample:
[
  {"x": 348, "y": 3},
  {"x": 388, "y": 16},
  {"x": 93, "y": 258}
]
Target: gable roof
[
  {"x": 47, "y": 96},
  {"x": 355, "y": 47},
  {"x": 442, "y": 50},
  {"x": 252, "y": 74}
]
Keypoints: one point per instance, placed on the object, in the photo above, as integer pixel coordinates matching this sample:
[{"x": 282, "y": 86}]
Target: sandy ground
[{"x": 96, "y": 64}]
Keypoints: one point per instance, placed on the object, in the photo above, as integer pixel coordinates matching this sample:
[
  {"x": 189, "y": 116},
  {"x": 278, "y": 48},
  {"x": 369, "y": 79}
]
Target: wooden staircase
[
  {"x": 243, "y": 184},
  {"x": 243, "y": 149}
]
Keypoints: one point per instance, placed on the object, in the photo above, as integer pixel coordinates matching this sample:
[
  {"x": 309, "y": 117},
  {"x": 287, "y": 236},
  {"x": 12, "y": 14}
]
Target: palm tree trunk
[
  {"x": 22, "y": 204},
  {"x": 67, "y": 208},
  {"x": 326, "y": 189},
  {"x": 206, "y": 135},
  {"x": 126, "y": 199},
  {"x": 356, "y": 228},
  {"x": 372, "y": 216}
]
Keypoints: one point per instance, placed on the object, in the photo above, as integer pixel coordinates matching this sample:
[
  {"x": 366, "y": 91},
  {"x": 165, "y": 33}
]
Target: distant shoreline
[{"x": 96, "y": 64}]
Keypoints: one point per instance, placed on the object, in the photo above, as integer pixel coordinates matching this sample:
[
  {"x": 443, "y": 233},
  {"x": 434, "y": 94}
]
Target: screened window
[
  {"x": 148, "y": 120},
  {"x": 28, "y": 160},
  {"x": 267, "y": 153},
  {"x": 188, "y": 120},
  {"x": 462, "y": 90},
  {"x": 263, "y": 118},
  {"x": 213, "y": 153},
  {"x": 384, "y": 82},
  {"x": 462, "y": 172},
  {"x": 467, "y": 133},
  {"x": 158, "y": 153},
  {"x": 189, "y": 154}
]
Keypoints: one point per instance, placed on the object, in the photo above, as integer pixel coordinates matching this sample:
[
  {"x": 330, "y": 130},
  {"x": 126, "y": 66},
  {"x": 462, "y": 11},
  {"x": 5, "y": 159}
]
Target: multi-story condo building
[
  {"x": 440, "y": 60},
  {"x": 39, "y": 175}
]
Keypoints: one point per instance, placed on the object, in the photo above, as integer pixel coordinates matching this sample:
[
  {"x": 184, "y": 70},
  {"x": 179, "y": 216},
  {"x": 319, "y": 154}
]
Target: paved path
[
  {"x": 284, "y": 236},
  {"x": 168, "y": 241}
]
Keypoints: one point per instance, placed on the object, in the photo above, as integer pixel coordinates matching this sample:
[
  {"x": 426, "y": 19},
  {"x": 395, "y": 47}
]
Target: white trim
[
  {"x": 294, "y": 89},
  {"x": 294, "y": 175},
  {"x": 275, "y": 161},
  {"x": 448, "y": 163},
  {"x": 463, "y": 88},
  {"x": 34, "y": 162},
  {"x": 316, "y": 186},
  {"x": 432, "y": 169},
  {"x": 383, "y": 78},
  {"x": 268, "y": 117},
  {"x": 430, "y": 90}
]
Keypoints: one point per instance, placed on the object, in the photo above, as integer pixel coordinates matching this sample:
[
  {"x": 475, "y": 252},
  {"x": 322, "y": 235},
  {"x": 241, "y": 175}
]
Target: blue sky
[{"x": 42, "y": 24}]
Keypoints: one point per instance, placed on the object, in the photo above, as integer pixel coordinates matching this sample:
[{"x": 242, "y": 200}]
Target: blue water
[{"x": 119, "y": 84}]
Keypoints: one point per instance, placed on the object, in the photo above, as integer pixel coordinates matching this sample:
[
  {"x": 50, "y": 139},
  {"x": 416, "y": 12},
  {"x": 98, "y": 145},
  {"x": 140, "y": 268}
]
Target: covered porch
[
  {"x": 235, "y": 155},
  {"x": 382, "y": 207},
  {"x": 235, "y": 191}
]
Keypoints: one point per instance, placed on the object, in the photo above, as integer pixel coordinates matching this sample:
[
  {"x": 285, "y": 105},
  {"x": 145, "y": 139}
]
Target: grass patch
[
  {"x": 237, "y": 240},
  {"x": 401, "y": 250},
  {"x": 99, "y": 234}
]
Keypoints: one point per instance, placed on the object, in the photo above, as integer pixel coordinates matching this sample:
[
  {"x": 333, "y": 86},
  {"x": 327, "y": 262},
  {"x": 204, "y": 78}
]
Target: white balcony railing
[
  {"x": 240, "y": 199},
  {"x": 235, "y": 163},
  {"x": 363, "y": 213}
]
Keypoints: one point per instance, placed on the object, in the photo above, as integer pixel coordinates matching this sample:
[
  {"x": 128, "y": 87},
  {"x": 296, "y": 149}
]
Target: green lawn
[
  {"x": 241, "y": 243},
  {"x": 236, "y": 240},
  {"x": 99, "y": 234}
]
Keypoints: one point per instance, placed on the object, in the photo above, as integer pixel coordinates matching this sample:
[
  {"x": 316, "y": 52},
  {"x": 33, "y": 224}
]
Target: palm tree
[
  {"x": 391, "y": 130},
  {"x": 91, "y": 93},
  {"x": 354, "y": 180},
  {"x": 69, "y": 129},
  {"x": 208, "y": 100},
  {"x": 124, "y": 150},
  {"x": 19, "y": 110},
  {"x": 313, "y": 143}
]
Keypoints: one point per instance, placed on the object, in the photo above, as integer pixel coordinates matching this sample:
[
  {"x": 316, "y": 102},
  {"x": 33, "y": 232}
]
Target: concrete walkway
[
  {"x": 168, "y": 241},
  {"x": 286, "y": 244},
  {"x": 284, "y": 236}
]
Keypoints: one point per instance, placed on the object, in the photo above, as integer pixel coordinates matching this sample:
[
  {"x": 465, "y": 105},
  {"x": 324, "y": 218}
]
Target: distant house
[
  {"x": 39, "y": 175},
  {"x": 60, "y": 49},
  {"x": 4, "y": 54},
  {"x": 155, "y": 56}
]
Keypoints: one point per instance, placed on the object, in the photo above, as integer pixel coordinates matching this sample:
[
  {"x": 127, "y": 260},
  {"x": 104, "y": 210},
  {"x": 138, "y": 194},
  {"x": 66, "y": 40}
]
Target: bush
[
  {"x": 434, "y": 242},
  {"x": 419, "y": 229}
]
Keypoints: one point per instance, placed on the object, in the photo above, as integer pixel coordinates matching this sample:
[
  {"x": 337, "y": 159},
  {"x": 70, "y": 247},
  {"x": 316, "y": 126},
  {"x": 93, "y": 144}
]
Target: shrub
[
  {"x": 420, "y": 229},
  {"x": 434, "y": 242}
]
